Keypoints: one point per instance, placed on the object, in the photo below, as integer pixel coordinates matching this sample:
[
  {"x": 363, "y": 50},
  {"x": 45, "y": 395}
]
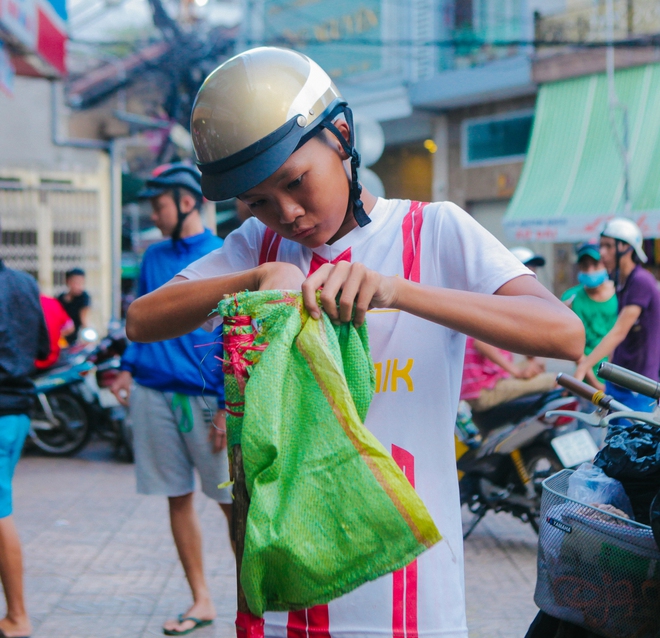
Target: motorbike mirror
[{"x": 89, "y": 335}]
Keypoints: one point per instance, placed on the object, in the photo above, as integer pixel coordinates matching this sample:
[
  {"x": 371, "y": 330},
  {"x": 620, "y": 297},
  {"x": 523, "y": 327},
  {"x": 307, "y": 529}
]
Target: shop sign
[{"x": 342, "y": 36}]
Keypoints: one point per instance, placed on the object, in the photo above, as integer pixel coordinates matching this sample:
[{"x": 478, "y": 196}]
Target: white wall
[
  {"x": 490, "y": 215},
  {"x": 25, "y": 132},
  {"x": 52, "y": 191}
]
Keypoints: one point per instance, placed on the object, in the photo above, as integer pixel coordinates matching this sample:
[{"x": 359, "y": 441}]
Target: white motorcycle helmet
[
  {"x": 528, "y": 257},
  {"x": 627, "y": 231}
]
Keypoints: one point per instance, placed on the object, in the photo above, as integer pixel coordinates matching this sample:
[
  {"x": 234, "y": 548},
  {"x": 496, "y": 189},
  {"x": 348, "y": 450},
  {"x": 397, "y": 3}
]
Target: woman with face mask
[{"x": 593, "y": 300}]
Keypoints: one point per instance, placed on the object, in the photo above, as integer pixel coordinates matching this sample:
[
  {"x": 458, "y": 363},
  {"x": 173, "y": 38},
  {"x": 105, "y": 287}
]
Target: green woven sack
[{"x": 329, "y": 507}]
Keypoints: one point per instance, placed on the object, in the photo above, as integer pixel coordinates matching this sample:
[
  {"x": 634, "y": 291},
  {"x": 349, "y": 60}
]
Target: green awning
[{"x": 573, "y": 178}]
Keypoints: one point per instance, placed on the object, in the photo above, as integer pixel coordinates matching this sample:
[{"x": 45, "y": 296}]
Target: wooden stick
[{"x": 240, "y": 511}]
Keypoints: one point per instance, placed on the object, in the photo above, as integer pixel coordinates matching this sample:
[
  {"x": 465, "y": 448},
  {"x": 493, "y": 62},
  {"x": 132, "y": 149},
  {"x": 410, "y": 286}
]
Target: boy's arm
[
  {"x": 626, "y": 320},
  {"x": 182, "y": 305},
  {"x": 522, "y": 316}
]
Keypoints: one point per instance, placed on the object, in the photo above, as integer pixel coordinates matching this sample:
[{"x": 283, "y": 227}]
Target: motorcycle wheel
[
  {"x": 540, "y": 462},
  {"x": 69, "y": 433}
]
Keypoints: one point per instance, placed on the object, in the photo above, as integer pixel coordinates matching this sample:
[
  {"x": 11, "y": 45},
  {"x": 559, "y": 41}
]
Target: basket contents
[
  {"x": 329, "y": 507},
  {"x": 632, "y": 455},
  {"x": 589, "y": 484},
  {"x": 596, "y": 568}
]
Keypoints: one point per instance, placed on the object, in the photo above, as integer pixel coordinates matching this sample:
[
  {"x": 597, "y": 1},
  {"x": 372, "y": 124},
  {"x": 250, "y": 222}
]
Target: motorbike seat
[{"x": 512, "y": 411}]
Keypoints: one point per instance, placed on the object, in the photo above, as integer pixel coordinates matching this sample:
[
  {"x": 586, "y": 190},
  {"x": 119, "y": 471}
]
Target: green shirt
[{"x": 598, "y": 317}]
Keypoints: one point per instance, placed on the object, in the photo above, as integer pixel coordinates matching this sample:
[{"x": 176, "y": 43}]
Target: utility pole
[{"x": 622, "y": 141}]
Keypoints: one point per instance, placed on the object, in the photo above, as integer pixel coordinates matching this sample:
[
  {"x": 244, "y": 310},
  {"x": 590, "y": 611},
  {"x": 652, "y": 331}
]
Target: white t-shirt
[{"x": 418, "y": 377}]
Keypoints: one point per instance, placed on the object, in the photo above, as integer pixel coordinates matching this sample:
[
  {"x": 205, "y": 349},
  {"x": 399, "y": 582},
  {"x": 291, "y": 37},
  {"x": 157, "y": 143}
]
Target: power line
[{"x": 646, "y": 41}]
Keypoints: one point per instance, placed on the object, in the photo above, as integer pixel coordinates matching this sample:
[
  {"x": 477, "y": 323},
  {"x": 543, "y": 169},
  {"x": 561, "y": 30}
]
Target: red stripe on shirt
[
  {"x": 404, "y": 581},
  {"x": 412, "y": 246},
  {"x": 249, "y": 626},
  {"x": 318, "y": 261},
  {"x": 309, "y": 623},
  {"x": 270, "y": 244}
]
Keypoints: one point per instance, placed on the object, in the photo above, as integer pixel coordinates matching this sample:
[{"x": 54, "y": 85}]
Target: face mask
[{"x": 592, "y": 279}]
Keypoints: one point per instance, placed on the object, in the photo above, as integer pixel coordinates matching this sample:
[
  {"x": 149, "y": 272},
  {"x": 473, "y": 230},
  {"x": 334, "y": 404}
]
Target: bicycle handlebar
[
  {"x": 629, "y": 380},
  {"x": 589, "y": 393}
]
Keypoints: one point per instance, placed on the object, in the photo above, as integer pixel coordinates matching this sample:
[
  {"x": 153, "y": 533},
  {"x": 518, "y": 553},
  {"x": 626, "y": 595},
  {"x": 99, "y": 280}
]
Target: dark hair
[{"x": 74, "y": 272}]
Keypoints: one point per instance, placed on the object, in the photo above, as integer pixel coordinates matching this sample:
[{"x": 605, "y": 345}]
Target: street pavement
[{"x": 100, "y": 561}]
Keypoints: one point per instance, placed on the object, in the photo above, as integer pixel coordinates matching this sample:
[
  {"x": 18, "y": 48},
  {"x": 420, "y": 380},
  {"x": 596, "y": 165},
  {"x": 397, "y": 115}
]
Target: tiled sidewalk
[{"x": 100, "y": 562}]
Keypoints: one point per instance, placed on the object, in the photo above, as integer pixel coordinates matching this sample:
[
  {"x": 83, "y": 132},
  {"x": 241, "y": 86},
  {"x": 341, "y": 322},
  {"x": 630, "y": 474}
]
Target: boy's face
[
  {"x": 164, "y": 214},
  {"x": 608, "y": 247},
  {"x": 76, "y": 285},
  {"x": 306, "y": 199},
  {"x": 589, "y": 264}
]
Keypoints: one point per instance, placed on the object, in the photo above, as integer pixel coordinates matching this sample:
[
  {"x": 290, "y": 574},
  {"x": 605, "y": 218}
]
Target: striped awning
[{"x": 573, "y": 178}]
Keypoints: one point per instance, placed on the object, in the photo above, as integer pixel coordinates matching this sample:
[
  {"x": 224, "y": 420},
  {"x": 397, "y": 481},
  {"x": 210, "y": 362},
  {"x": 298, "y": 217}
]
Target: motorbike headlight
[{"x": 89, "y": 334}]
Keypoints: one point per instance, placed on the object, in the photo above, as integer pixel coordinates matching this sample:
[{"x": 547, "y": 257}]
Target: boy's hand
[
  {"x": 279, "y": 275},
  {"x": 359, "y": 286},
  {"x": 218, "y": 431},
  {"x": 121, "y": 387},
  {"x": 582, "y": 368}
]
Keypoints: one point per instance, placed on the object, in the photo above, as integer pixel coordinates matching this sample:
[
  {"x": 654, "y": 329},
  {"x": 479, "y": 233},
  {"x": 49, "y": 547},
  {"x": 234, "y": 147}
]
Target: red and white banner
[{"x": 576, "y": 229}]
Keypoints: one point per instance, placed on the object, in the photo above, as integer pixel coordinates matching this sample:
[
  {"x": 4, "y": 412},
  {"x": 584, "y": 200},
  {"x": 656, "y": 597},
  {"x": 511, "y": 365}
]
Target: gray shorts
[{"x": 165, "y": 457}]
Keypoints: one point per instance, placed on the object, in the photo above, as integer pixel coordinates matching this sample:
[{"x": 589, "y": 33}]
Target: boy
[
  {"x": 270, "y": 127},
  {"x": 76, "y": 302},
  {"x": 634, "y": 340},
  {"x": 593, "y": 300},
  {"x": 171, "y": 392}
]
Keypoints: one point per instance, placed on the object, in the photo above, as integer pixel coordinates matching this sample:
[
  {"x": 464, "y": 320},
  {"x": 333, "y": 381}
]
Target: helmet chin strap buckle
[{"x": 359, "y": 213}]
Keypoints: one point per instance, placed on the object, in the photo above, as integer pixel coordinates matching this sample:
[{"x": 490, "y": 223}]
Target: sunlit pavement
[
  {"x": 500, "y": 576},
  {"x": 100, "y": 562}
]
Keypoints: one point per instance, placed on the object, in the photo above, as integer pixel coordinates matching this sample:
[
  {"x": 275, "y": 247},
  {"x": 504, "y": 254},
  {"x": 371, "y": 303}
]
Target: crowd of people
[
  {"x": 618, "y": 302},
  {"x": 314, "y": 228}
]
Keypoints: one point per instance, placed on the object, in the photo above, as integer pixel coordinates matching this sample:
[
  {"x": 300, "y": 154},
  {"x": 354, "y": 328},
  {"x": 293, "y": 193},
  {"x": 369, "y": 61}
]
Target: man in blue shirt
[
  {"x": 176, "y": 391},
  {"x": 23, "y": 338}
]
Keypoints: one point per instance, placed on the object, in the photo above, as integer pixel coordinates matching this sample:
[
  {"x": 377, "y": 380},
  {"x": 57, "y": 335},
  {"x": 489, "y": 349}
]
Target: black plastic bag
[{"x": 632, "y": 455}]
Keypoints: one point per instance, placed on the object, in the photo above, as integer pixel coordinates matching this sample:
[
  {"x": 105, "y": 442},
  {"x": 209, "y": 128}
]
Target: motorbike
[
  {"x": 73, "y": 400},
  {"x": 579, "y": 596},
  {"x": 514, "y": 448}
]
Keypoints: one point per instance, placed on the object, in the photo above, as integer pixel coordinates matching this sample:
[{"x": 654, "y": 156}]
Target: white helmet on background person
[
  {"x": 527, "y": 257},
  {"x": 626, "y": 230}
]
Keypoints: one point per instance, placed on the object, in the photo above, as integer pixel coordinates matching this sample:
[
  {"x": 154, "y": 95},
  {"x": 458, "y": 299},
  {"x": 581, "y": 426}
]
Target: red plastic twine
[{"x": 236, "y": 346}]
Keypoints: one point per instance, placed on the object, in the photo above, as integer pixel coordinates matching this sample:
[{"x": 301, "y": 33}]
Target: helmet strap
[
  {"x": 617, "y": 269},
  {"x": 181, "y": 216},
  {"x": 359, "y": 213}
]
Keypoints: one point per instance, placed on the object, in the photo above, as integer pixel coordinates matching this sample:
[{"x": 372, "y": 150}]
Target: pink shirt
[{"x": 480, "y": 373}]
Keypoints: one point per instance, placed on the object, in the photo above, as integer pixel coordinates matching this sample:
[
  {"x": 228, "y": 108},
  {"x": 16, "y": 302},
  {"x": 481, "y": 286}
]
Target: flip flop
[
  {"x": 181, "y": 619},
  {"x": 4, "y": 635}
]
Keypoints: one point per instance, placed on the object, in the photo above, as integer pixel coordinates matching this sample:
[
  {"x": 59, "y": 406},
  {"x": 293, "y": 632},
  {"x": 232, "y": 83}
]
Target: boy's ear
[
  {"x": 187, "y": 202},
  {"x": 344, "y": 129}
]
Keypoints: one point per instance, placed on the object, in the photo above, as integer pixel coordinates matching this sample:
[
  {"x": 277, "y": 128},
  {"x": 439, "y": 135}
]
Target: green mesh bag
[{"x": 329, "y": 507}]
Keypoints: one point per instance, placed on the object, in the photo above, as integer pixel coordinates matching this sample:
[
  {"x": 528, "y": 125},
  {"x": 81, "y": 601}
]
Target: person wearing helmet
[
  {"x": 528, "y": 257},
  {"x": 634, "y": 340},
  {"x": 176, "y": 428},
  {"x": 593, "y": 300},
  {"x": 270, "y": 127}
]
